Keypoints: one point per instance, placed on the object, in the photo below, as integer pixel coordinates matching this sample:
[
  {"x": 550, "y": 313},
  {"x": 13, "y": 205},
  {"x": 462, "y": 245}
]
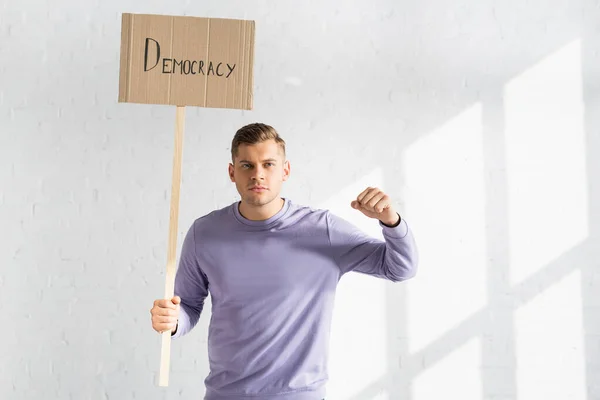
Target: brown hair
[{"x": 253, "y": 134}]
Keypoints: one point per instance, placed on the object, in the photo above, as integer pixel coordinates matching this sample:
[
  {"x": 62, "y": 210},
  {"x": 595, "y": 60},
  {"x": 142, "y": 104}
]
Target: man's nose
[{"x": 258, "y": 174}]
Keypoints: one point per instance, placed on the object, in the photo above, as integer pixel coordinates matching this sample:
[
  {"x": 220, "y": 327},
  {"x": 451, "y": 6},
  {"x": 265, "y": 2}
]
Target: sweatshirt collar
[{"x": 267, "y": 223}]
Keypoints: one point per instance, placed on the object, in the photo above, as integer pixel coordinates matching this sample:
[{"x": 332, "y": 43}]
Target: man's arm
[
  {"x": 394, "y": 259},
  {"x": 191, "y": 284}
]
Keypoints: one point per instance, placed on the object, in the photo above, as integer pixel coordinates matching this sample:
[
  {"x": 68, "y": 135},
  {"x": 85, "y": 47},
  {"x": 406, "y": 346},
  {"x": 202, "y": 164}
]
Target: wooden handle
[{"x": 165, "y": 354}]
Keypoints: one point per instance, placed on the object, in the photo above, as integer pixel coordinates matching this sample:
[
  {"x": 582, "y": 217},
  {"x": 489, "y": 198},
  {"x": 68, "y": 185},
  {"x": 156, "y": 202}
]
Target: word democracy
[{"x": 186, "y": 67}]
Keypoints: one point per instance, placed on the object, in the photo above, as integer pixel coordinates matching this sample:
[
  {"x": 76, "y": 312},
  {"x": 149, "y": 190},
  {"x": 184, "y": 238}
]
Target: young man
[{"x": 271, "y": 268}]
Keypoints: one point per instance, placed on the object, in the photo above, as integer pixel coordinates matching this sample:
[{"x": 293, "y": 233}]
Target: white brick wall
[{"x": 480, "y": 118}]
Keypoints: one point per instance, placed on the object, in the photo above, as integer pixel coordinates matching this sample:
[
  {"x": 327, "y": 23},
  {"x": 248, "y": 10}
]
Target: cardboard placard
[{"x": 186, "y": 61}]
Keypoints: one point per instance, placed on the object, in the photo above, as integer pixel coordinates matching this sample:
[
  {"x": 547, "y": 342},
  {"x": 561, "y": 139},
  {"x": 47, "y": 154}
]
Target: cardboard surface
[{"x": 186, "y": 61}]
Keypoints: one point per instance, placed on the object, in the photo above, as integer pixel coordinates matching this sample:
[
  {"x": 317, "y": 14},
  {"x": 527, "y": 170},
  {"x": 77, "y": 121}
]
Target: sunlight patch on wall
[
  {"x": 445, "y": 205},
  {"x": 549, "y": 343},
  {"x": 457, "y": 376},
  {"x": 545, "y": 152}
]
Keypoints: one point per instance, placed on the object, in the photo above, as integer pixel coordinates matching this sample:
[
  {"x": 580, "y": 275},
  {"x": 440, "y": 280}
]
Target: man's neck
[{"x": 261, "y": 213}]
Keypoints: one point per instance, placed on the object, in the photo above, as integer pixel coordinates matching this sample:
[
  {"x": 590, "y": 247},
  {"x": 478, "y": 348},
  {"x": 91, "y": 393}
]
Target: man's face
[{"x": 258, "y": 171}]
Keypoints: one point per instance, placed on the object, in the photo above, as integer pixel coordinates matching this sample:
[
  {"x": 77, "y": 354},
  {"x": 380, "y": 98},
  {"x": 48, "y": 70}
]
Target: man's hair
[{"x": 253, "y": 134}]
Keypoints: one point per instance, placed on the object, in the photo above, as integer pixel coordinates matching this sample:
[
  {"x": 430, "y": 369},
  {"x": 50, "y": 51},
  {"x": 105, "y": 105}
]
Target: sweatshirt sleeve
[
  {"x": 394, "y": 259},
  {"x": 191, "y": 284}
]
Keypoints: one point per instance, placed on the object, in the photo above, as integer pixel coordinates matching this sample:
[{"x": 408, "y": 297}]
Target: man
[{"x": 271, "y": 268}]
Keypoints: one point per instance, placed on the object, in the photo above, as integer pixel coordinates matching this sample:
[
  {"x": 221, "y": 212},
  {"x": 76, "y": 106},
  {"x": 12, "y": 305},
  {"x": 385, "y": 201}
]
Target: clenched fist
[
  {"x": 374, "y": 203},
  {"x": 165, "y": 314}
]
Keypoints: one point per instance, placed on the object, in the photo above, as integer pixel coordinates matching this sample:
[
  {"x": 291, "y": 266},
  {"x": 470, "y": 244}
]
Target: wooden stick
[{"x": 165, "y": 355}]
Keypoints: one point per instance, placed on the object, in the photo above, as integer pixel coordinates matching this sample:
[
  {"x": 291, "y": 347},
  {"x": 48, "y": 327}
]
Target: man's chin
[{"x": 258, "y": 201}]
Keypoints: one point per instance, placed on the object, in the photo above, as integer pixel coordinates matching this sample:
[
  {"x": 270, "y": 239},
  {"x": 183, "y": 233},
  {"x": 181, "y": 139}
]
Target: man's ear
[
  {"x": 231, "y": 172},
  {"x": 286, "y": 170}
]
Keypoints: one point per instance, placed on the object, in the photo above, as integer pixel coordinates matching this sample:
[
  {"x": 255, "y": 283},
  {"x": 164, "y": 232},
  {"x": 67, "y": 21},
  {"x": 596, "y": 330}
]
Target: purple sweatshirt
[{"x": 272, "y": 285}]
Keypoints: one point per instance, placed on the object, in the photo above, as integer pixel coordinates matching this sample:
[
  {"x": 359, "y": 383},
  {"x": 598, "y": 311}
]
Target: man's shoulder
[
  {"x": 301, "y": 211},
  {"x": 213, "y": 218}
]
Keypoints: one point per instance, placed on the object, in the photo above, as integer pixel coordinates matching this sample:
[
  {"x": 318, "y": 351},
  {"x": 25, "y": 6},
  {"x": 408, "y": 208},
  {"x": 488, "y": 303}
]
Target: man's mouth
[{"x": 258, "y": 188}]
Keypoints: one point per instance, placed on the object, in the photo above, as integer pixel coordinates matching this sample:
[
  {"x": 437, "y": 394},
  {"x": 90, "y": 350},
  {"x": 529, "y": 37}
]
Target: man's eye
[
  {"x": 245, "y": 165},
  {"x": 269, "y": 164}
]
